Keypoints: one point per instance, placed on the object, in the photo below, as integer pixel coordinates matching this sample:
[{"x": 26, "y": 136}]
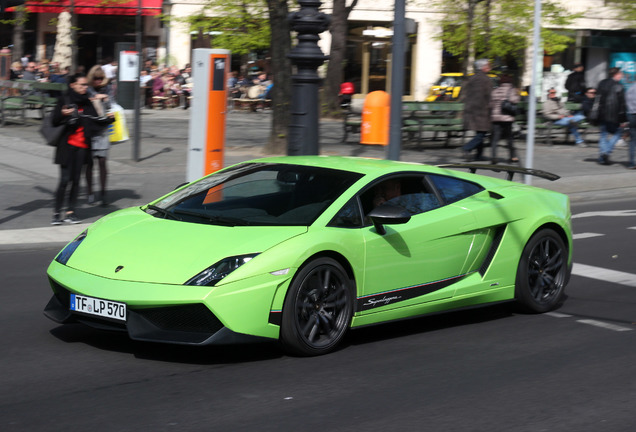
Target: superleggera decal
[{"x": 401, "y": 294}]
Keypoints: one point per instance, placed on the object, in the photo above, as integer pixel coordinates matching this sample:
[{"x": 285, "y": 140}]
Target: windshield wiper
[
  {"x": 220, "y": 220},
  {"x": 163, "y": 211}
]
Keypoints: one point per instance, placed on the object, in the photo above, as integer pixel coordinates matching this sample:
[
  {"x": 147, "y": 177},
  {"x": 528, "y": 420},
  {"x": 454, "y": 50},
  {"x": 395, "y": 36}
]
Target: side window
[
  {"x": 453, "y": 189},
  {"x": 349, "y": 216},
  {"x": 409, "y": 192}
]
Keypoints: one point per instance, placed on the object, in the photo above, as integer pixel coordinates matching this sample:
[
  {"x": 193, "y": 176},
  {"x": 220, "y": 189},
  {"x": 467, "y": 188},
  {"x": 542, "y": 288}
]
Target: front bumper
[
  {"x": 191, "y": 324},
  {"x": 237, "y": 312}
]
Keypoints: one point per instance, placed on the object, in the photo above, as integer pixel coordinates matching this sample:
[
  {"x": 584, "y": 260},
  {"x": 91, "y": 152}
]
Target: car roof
[{"x": 374, "y": 168}]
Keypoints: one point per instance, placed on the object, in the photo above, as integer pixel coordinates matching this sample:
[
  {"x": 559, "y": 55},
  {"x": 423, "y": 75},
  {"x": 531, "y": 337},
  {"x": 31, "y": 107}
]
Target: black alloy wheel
[
  {"x": 542, "y": 273},
  {"x": 318, "y": 308}
]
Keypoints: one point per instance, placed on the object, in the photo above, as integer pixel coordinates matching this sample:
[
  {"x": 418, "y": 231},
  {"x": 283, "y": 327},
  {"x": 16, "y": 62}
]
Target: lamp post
[{"x": 308, "y": 22}]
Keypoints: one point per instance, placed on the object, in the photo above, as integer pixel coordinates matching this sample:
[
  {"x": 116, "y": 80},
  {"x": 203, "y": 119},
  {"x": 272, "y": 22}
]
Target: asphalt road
[{"x": 488, "y": 369}]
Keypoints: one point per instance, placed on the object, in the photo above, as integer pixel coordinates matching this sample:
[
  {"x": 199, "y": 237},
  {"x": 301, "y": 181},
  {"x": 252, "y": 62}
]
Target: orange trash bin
[{"x": 375, "y": 119}]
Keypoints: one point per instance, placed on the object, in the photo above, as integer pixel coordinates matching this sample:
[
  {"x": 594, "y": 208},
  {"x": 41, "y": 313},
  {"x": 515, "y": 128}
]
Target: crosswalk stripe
[
  {"x": 599, "y": 273},
  {"x": 585, "y": 235},
  {"x": 604, "y": 325}
]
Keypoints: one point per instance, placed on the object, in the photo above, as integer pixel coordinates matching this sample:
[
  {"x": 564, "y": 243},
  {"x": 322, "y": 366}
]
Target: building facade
[{"x": 600, "y": 38}]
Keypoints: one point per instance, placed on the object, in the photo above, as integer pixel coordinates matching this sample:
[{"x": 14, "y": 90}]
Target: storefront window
[{"x": 369, "y": 52}]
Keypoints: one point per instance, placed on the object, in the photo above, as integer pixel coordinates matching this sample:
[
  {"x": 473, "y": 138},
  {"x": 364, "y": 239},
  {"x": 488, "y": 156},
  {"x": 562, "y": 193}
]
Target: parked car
[{"x": 449, "y": 86}]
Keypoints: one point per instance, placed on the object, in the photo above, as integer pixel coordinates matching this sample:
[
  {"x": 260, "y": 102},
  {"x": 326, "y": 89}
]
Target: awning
[{"x": 96, "y": 7}]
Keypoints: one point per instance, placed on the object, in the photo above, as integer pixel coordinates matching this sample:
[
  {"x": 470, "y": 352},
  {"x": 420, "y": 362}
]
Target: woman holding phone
[{"x": 74, "y": 110}]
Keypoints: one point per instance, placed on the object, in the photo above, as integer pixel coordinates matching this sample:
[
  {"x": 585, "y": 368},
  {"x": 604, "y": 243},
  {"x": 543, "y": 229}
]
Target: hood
[{"x": 149, "y": 249}]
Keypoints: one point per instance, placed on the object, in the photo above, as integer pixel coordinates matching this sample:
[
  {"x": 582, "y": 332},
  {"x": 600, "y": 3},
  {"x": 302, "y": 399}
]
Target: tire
[
  {"x": 318, "y": 308},
  {"x": 542, "y": 273}
]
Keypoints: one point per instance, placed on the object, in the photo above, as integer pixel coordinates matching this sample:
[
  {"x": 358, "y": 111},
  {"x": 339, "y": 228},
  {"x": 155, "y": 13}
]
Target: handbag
[
  {"x": 509, "y": 108},
  {"x": 52, "y": 134}
]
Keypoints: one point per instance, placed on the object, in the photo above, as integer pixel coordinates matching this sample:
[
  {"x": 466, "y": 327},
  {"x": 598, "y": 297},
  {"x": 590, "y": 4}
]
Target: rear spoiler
[{"x": 511, "y": 170}]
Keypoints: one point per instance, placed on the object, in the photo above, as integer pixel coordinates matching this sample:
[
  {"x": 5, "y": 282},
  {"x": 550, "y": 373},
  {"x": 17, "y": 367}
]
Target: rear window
[{"x": 453, "y": 189}]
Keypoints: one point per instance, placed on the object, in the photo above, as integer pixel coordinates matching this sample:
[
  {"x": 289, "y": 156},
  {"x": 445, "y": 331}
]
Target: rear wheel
[
  {"x": 318, "y": 308},
  {"x": 542, "y": 272}
]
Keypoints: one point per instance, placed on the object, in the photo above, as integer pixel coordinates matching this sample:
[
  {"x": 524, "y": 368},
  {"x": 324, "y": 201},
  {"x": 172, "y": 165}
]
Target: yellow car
[
  {"x": 449, "y": 85},
  {"x": 446, "y": 88}
]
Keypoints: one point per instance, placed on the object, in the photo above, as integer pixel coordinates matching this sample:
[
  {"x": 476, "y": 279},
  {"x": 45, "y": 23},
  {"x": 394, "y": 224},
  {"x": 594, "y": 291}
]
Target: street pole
[
  {"x": 397, "y": 81},
  {"x": 137, "y": 91},
  {"x": 532, "y": 106},
  {"x": 308, "y": 22}
]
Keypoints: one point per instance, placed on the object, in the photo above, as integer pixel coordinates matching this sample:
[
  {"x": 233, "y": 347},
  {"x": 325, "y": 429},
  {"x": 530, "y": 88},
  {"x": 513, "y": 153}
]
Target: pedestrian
[
  {"x": 575, "y": 84},
  {"x": 502, "y": 122},
  {"x": 30, "y": 72},
  {"x": 109, "y": 67},
  {"x": 476, "y": 97},
  {"x": 554, "y": 110},
  {"x": 588, "y": 102},
  {"x": 611, "y": 113},
  {"x": 76, "y": 112},
  {"x": 184, "y": 79},
  {"x": 16, "y": 71},
  {"x": 630, "y": 102},
  {"x": 98, "y": 92}
]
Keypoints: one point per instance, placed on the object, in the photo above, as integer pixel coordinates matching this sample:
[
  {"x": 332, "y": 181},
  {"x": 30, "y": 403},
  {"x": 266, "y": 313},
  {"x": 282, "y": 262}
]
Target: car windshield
[
  {"x": 257, "y": 194},
  {"x": 449, "y": 81}
]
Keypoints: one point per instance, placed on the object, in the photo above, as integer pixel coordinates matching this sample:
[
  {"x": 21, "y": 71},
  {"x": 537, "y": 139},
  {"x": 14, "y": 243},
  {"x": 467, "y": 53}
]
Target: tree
[
  {"x": 625, "y": 11},
  {"x": 63, "y": 50},
  {"x": 281, "y": 70},
  {"x": 238, "y": 26},
  {"x": 337, "y": 52},
  {"x": 249, "y": 25},
  {"x": 499, "y": 28}
]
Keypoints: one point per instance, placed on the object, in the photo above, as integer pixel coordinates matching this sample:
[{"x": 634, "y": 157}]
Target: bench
[
  {"x": 422, "y": 117},
  {"x": 45, "y": 95},
  {"x": 13, "y": 101},
  {"x": 250, "y": 104},
  {"x": 42, "y": 96},
  {"x": 352, "y": 121},
  {"x": 546, "y": 128}
]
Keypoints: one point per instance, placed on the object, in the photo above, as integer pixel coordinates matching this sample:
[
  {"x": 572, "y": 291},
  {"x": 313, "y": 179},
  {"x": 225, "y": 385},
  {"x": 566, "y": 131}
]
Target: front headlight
[
  {"x": 211, "y": 275},
  {"x": 66, "y": 253}
]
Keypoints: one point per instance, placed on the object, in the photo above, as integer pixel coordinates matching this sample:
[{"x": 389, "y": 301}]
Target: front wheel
[
  {"x": 542, "y": 273},
  {"x": 318, "y": 308}
]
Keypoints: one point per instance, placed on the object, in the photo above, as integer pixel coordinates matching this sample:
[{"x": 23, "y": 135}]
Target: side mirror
[{"x": 388, "y": 214}]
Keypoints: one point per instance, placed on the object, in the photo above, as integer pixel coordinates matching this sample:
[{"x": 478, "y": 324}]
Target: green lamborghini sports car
[{"x": 300, "y": 249}]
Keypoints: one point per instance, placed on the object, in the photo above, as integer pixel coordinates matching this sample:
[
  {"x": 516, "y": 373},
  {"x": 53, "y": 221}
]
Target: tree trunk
[
  {"x": 337, "y": 52},
  {"x": 281, "y": 70},
  {"x": 18, "y": 34},
  {"x": 470, "y": 16}
]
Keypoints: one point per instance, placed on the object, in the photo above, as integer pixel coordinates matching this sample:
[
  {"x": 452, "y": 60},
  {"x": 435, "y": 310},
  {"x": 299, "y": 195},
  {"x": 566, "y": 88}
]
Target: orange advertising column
[
  {"x": 375, "y": 119},
  {"x": 210, "y": 70}
]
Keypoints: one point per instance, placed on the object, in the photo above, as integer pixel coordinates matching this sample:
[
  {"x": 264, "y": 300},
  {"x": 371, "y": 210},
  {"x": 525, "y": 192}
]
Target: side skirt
[{"x": 497, "y": 295}]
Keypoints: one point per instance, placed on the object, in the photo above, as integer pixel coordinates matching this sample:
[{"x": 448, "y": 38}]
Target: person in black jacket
[
  {"x": 611, "y": 113},
  {"x": 588, "y": 102},
  {"x": 575, "y": 84},
  {"x": 76, "y": 111}
]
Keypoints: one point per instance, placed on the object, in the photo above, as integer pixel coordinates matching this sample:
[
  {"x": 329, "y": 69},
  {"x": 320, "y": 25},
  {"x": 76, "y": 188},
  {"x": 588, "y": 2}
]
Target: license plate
[{"x": 99, "y": 307}]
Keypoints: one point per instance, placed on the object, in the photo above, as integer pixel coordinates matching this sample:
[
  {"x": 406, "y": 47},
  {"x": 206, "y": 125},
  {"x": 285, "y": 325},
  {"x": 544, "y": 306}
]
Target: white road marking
[
  {"x": 51, "y": 234},
  {"x": 622, "y": 278},
  {"x": 558, "y": 315},
  {"x": 613, "y": 213},
  {"x": 604, "y": 325},
  {"x": 585, "y": 235}
]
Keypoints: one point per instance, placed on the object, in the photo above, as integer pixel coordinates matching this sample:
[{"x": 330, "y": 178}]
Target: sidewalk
[{"x": 28, "y": 177}]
